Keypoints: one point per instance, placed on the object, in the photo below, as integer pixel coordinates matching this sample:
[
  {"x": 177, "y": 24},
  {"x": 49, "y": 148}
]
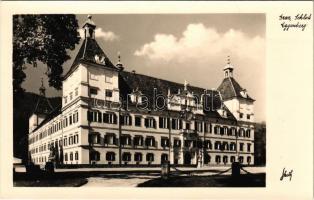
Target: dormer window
[
  {"x": 136, "y": 97},
  {"x": 243, "y": 93}
]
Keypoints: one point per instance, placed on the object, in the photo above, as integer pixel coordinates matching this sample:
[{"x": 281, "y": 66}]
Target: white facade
[{"x": 88, "y": 131}]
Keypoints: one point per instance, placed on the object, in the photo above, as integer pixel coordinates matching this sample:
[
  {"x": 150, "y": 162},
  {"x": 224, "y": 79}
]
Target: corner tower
[
  {"x": 42, "y": 109},
  {"x": 92, "y": 74},
  {"x": 235, "y": 97}
]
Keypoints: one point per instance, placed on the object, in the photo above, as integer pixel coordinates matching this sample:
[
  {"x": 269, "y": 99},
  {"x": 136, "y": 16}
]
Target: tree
[{"x": 44, "y": 38}]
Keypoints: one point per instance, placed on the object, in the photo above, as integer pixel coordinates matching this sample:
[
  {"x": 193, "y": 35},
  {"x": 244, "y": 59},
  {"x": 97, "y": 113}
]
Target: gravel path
[
  {"x": 122, "y": 181},
  {"x": 132, "y": 180}
]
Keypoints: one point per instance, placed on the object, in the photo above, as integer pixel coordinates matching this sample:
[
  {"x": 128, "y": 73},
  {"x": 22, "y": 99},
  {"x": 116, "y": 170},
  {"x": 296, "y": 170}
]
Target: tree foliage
[{"x": 44, "y": 38}]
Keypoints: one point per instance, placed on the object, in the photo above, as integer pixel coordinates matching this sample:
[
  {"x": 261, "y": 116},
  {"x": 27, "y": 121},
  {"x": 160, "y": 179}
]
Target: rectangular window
[
  {"x": 164, "y": 142},
  {"x": 108, "y": 79},
  {"x": 138, "y": 140},
  {"x": 150, "y": 141},
  {"x": 70, "y": 140},
  {"x": 93, "y": 77},
  {"x": 150, "y": 123},
  {"x": 108, "y": 93},
  {"x": 65, "y": 99},
  {"x": 73, "y": 117},
  {"x": 71, "y": 156},
  {"x": 163, "y": 122},
  {"x": 70, "y": 120},
  {"x": 177, "y": 143},
  {"x": 125, "y": 140},
  {"x": 71, "y": 96},
  {"x": 110, "y": 118},
  {"x": 65, "y": 141},
  {"x": 94, "y": 138},
  {"x": 241, "y": 146},
  {"x": 93, "y": 91},
  {"x": 110, "y": 138},
  {"x": 248, "y": 147},
  {"x": 76, "y": 155},
  {"x": 241, "y": 115},
  {"x": 138, "y": 121},
  {"x": 95, "y": 116},
  {"x": 126, "y": 120},
  {"x": 176, "y": 124},
  {"x": 248, "y": 116},
  {"x": 198, "y": 126}
]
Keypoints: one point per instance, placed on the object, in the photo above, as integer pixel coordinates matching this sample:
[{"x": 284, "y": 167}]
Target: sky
[{"x": 179, "y": 47}]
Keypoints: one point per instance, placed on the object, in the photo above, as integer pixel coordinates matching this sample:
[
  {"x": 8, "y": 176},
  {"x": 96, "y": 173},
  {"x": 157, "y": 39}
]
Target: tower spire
[
  {"x": 228, "y": 69},
  {"x": 89, "y": 28},
  {"x": 119, "y": 64},
  {"x": 42, "y": 89}
]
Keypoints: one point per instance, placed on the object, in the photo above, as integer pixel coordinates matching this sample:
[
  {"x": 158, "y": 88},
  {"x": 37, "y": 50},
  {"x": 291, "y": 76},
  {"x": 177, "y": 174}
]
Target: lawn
[{"x": 246, "y": 180}]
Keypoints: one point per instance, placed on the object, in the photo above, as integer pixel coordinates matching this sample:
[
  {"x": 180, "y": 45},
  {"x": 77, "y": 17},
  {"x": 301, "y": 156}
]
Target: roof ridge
[
  {"x": 232, "y": 86},
  {"x": 162, "y": 79},
  {"x": 84, "y": 48}
]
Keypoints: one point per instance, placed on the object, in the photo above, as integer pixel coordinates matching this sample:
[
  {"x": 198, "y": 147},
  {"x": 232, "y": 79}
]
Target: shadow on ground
[{"x": 245, "y": 180}]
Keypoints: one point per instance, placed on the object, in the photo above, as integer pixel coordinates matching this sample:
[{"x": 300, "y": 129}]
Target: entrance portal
[{"x": 187, "y": 158}]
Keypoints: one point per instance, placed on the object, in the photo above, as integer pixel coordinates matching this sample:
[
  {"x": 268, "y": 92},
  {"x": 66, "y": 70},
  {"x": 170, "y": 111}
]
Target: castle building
[{"x": 113, "y": 117}]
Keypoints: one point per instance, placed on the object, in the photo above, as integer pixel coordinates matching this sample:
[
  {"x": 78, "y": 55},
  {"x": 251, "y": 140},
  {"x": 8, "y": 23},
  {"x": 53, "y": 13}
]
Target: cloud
[
  {"x": 100, "y": 33},
  {"x": 201, "y": 43}
]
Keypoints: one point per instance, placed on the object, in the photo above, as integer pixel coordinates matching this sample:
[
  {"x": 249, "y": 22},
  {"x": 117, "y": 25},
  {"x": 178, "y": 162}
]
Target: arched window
[
  {"x": 76, "y": 155},
  {"x": 233, "y": 131},
  {"x": 216, "y": 129},
  {"x": 225, "y": 146},
  {"x": 217, "y": 145},
  {"x": 226, "y": 130},
  {"x": 218, "y": 159},
  {"x": 232, "y": 146},
  {"x": 241, "y": 132},
  {"x": 110, "y": 156},
  {"x": 248, "y": 133},
  {"x": 150, "y": 157},
  {"x": 164, "y": 157},
  {"x": 94, "y": 155},
  {"x": 248, "y": 159},
  {"x": 206, "y": 158},
  {"x": 126, "y": 156},
  {"x": 208, "y": 144},
  {"x": 138, "y": 157},
  {"x": 225, "y": 159},
  {"x": 241, "y": 159}
]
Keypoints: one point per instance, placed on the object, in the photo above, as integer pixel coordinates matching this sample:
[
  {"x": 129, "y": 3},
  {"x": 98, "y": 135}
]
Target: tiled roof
[
  {"x": 87, "y": 53},
  {"x": 129, "y": 81},
  {"x": 43, "y": 106},
  {"x": 230, "y": 88},
  {"x": 54, "y": 113}
]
